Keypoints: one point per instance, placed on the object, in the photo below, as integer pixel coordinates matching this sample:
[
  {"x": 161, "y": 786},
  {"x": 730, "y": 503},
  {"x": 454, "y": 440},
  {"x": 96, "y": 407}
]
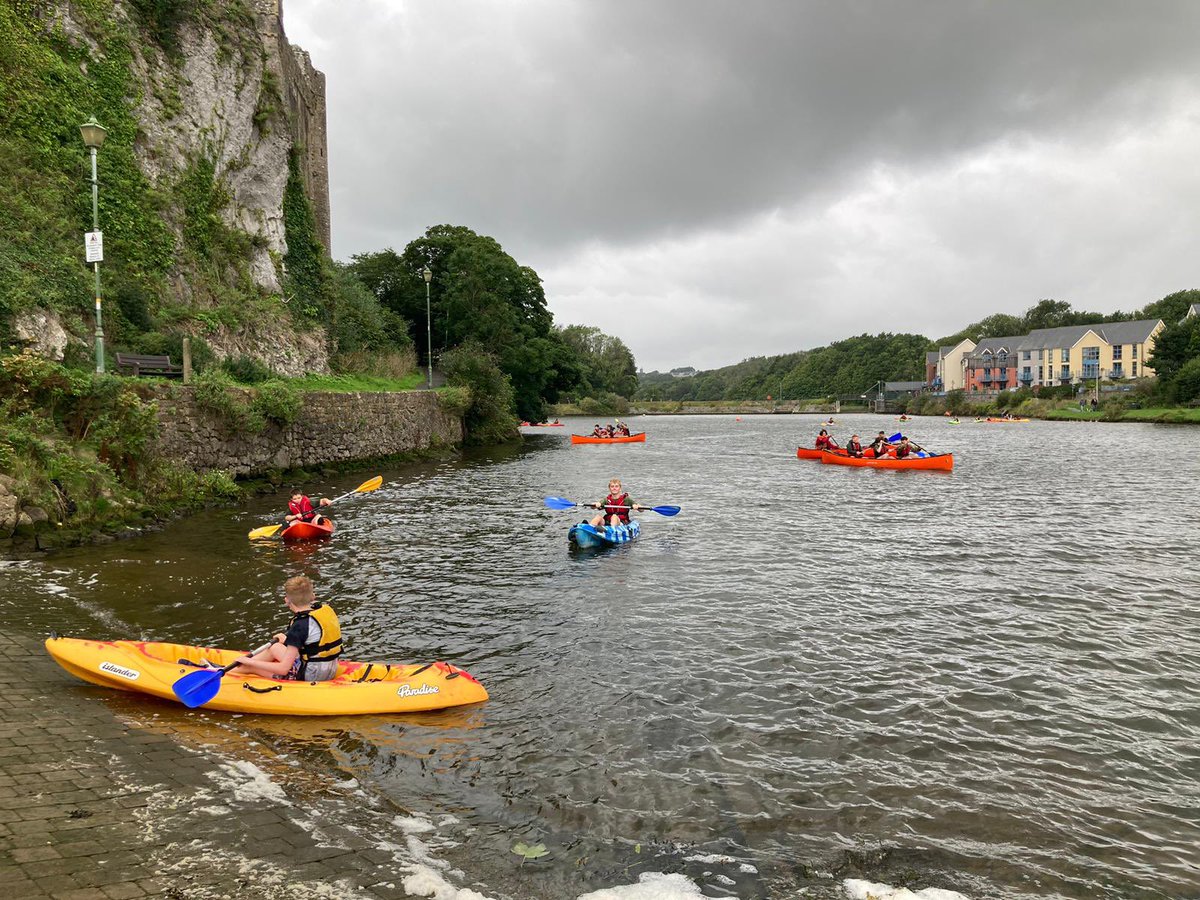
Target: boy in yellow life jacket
[{"x": 309, "y": 650}]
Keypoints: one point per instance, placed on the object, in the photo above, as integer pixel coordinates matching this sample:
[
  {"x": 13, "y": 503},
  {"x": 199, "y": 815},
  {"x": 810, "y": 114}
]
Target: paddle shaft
[{"x": 236, "y": 663}]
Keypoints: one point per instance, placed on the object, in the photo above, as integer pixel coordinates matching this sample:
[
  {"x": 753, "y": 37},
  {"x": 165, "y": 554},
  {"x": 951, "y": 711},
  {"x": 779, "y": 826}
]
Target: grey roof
[
  {"x": 1193, "y": 310},
  {"x": 1128, "y": 332},
  {"x": 995, "y": 345},
  {"x": 1112, "y": 332},
  {"x": 943, "y": 351},
  {"x": 1066, "y": 336},
  {"x": 933, "y": 356},
  {"x": 903, "y": 385}
]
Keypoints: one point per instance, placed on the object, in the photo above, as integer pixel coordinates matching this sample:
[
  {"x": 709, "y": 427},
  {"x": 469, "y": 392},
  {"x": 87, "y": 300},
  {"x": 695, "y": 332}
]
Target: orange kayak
[
  {"x": 943, "y": 462},
  {"x": 808, "y": 453},
  {"x": 638, "y": 438},
  {"x": 318, "y": 528}
]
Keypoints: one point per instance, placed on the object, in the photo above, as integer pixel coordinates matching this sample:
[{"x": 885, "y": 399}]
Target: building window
[
  {"x": 1116, "y": 371},
  {"x": 1133, "y": 370},
  {"x": 1117, "y": 348},
  {"x": 1025, "y": 354},
  {"x": 1135, "y": 346},
  {"x": 1066, "y": 354}
]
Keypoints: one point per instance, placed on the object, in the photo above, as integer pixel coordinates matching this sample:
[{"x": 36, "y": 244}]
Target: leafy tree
[
  {"x": 1172, "y": 307},
  {"x": 478, "y": 293},
  {"x": 1176, "y": 345},
  {"x": 606, "y": 364},
  {"x": 1187, "y": 381}
]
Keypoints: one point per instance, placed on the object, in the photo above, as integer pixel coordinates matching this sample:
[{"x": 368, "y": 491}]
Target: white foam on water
[
  {"x": 247, "y": 781},
  {"x": 857, "y": 889},
  {"x": 413, "y": 824},
  {"x": 650, "y": 886},
  {"x": 711, "y": 858}
]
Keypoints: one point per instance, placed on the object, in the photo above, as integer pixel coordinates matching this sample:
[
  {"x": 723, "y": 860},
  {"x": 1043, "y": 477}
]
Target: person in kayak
[
  {"x": 880, "y": 445},
  {"x": 906, "y": 448},
  {"x": 309, "y": 650},
  {"x": 854, "y": 447},
  {"x": 300, "y": 508},
  {"x": 825, "y": 442},
  {"x": 598, "y": 431},
  {"x": 615, "y": 508}
]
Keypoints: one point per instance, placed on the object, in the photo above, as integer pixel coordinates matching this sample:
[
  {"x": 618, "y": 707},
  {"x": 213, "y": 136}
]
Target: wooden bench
[{"x": 148, "y": 365}]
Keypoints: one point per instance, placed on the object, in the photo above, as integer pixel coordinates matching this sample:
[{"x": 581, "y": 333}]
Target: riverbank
[{"x": 86, "y": 457}]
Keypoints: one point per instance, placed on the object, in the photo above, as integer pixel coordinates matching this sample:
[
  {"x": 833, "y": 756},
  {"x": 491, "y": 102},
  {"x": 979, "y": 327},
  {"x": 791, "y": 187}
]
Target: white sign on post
[{"x": 93, "y": 246}]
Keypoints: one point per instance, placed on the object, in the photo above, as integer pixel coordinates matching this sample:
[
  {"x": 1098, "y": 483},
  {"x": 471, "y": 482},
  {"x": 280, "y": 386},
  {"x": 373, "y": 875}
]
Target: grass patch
[{"x": 344, "y": 384}]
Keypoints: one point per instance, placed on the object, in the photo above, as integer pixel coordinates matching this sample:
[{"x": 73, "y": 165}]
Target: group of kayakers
[
  {"x": 880, "y": 447},
  {"x": 610, "y": 431}
]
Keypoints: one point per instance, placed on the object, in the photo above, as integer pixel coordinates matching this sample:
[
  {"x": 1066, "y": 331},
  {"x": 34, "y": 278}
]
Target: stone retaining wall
[{"x": 331, "y": 428}]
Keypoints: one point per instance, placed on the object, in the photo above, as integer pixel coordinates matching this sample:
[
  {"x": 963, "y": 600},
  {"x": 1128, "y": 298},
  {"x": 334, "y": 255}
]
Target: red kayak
[
  {"x": 318, "y": 528},
  {"x": 808, "y": 453}
]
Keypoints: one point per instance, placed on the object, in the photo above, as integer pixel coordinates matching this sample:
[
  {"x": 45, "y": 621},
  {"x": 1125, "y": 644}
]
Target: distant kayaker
[
  {"x": 615, "y": 508},
  {"x": 301, "y": 508},
  {"x": 309, "y": 650},
  {"x": 854, "y": 446},
  {"x": 880, "y": 445},
  {"x": 825, "y": 442}
]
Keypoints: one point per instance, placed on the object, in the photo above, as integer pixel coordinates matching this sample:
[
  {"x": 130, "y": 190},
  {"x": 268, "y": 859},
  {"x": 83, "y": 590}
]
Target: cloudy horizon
[{"x": 712, "y": 181}]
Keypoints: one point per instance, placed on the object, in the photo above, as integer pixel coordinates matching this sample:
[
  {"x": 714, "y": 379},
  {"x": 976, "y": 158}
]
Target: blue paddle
[
  {"x": 197, "y": 688},
  {"x": 564, "y": 503}
]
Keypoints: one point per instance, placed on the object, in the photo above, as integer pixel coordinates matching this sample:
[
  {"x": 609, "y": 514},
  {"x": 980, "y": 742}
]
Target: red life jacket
[
  {"x": 902, "y": 451},
  {"x": 618, "y": 506},
  {"x": 822, "y": 442},
  {"x": 303, "y": 509}
]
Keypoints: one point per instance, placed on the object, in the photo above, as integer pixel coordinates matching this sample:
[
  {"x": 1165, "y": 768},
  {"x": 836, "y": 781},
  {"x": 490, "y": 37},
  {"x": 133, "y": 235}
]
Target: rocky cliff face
[{"x": 227, "y": 93}]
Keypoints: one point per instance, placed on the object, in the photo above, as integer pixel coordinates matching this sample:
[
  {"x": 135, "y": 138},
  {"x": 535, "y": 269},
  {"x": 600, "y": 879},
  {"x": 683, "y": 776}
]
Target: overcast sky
[{"x": 712, "y": 180}]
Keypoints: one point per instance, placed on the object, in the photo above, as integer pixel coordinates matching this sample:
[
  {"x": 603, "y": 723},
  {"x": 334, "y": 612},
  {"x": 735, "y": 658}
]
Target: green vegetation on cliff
[{"x": 175, "y": 261}]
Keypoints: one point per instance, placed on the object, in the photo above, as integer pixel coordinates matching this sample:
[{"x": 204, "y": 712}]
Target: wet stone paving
[{"x": 94, "y": 808}]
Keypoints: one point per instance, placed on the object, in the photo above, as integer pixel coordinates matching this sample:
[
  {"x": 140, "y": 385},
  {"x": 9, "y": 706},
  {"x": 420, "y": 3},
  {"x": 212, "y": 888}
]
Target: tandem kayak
[
  {"x": 1003, "y": 421},
  {"x": 359, "y": 688},
  {"x": 943, "y": 462},
  {"x": 638, "y": 438},
  {"x": 318, "y": 528},
  {"x": 584, "y": 535}
]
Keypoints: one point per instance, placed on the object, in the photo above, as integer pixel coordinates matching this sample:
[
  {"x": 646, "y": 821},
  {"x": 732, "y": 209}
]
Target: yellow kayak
[{"x": 359, "y": 687}]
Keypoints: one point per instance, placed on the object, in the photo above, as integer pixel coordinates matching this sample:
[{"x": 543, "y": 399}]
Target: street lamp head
[
  {"x": 427, "y": 274},
  {"x": 93, "y": 133}
]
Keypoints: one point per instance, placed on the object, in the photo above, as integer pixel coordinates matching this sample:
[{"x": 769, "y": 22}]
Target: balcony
[
  {"x": 1026, "y": 379},
  {"x": 1116, "y": 373},
  {"x": 1064, "y": 375}
]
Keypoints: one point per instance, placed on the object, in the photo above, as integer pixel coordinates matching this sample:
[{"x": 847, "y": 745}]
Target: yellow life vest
[{"x": 329, "y": 645}]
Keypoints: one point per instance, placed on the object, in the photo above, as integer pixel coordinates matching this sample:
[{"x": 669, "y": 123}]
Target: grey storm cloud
[{"x": 766, "y": 175}]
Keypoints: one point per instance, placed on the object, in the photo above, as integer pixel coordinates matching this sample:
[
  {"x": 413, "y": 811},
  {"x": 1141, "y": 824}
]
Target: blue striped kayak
[{"x": 584, "y": 535}]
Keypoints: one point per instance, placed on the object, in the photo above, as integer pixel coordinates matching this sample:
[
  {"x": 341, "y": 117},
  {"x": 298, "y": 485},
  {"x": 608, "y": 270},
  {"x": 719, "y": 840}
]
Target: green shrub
[
  {"x": 277, "y": 401},
  {"x": 1187, "y": 382},
  {"x": 454, "y": 399},
  {"x": 246, "y": 370},
  {"x": 490, "y": 418},
  {"x": 216, "y": 393}
]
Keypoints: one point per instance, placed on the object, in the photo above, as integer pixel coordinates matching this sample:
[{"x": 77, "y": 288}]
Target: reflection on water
[{"x": 988, "y": 676}]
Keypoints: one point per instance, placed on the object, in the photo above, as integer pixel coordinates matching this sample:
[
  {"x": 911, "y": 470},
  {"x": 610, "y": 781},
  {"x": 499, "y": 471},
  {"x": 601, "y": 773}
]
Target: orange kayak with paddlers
[
  {"x": 943, "y": 462},
  {"x": 638, "y": 438}
]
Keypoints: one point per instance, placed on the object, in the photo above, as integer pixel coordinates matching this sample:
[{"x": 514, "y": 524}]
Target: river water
[{"x": 984, "y": 680}]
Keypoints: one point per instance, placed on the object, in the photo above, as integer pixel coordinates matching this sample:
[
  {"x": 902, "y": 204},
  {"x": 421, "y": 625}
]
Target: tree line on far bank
[{"x": 854, "y": 365}]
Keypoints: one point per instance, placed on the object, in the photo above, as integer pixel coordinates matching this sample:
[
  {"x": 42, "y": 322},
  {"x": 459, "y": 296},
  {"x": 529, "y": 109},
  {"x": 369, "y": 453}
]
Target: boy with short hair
[
  {"x": 309, "y": 650},
  {"x": 615, "y": 508}
]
